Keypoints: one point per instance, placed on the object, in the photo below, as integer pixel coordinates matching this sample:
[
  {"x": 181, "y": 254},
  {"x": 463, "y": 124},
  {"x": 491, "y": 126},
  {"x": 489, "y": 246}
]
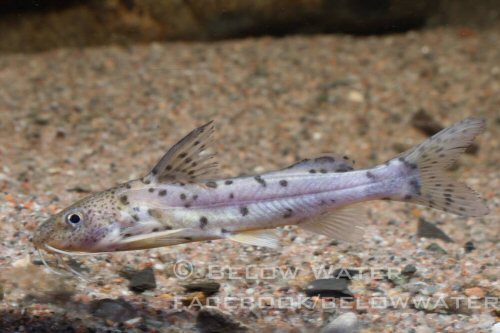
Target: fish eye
[{"x": 73, "y": 218}]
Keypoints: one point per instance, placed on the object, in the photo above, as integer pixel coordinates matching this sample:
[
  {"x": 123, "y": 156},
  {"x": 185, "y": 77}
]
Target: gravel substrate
[{"x": 79, "y": 121}]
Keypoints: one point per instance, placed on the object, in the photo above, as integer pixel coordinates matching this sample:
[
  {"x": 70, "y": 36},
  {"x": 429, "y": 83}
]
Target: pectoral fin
[{"x": 153, "y": 239}]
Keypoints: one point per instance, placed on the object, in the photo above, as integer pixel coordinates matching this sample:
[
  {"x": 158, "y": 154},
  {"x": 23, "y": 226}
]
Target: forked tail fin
[{"x": 433, "y": 156}]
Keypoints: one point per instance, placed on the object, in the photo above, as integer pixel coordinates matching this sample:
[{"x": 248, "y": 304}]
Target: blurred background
[{"x": 30, "y": 26}]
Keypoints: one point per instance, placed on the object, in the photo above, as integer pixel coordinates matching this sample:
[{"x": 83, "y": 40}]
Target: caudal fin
[{"x": 433, "y": 156}]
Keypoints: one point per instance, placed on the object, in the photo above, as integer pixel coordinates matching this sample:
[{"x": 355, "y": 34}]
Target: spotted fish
[{"x": 181, "y": 200}]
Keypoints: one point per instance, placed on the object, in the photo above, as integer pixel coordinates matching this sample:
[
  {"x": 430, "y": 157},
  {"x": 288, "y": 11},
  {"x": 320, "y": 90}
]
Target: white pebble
[
  {"x": 345, "y": 323},
  {"x": 355, "y": 96}
]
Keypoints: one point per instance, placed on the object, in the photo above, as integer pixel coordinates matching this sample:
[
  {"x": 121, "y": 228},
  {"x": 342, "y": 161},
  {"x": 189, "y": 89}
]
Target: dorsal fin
[
  {"x": 323, "y": 163},
  {"x": 187, "y": 160}
]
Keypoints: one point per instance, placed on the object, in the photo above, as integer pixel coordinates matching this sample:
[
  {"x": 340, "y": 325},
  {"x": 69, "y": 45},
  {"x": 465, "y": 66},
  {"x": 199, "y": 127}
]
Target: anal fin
[
  {"x": 265, "y": 238},
  {"x": 345, "y": 224}
]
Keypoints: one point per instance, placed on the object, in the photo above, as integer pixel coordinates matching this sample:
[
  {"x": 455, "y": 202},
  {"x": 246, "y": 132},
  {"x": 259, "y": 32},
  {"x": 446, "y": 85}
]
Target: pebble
[
  {"x": 345, "y": 323},
  {"x": 409, "y": 269},
  {"x": 213, "y": 320},
  {"x": 469, "y": 247},
  {"x": 329, "y": 288},
  {"x": 423, "y": 329},
  {"x": 207, "y": 287},
  {"x": 142, "y": 280},
  {"x": 434, "y": 247},
  {"x": 116, "y": 310},
  {"x": 428, "y": 230},
  {"x": 475, "y": 292}
]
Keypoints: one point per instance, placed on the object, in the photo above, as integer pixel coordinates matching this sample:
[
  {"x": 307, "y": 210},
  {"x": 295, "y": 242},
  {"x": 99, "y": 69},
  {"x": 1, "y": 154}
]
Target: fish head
[{"x": 82, "y": 227}]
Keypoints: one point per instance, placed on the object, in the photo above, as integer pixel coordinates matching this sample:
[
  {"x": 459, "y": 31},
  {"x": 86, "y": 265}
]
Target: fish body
[{"x": 182, "y": 201}]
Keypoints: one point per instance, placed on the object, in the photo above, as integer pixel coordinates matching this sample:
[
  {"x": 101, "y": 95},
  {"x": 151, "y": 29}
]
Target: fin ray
[
  {"x": 433, "y": 156},
  {"x": 265, "y": 238},
  {"x": 344, "y": 224},
  {"x": 187, "y": 160}
]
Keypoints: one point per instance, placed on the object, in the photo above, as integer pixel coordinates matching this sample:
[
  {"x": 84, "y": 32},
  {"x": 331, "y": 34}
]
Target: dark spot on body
[
  {"x": 283, "y": 183},
  {"x": 370, "y": 175},
  {"x": 162, "y": 193},
  {"x": 182, "y": 196},
  {"x": 211, "y": 184},
  {"x": 187, "y": 205},
  {"x": 288, "y": 213},
  {"x": 188, "y": 238},
  {"x": 322, "y": 171},
  {"x": 182, "y": 155},
  {"x": 124, "y": 200},
  {"x": 408, "y": 197},
  {"x": 312, "y": 171},
  {"x": 244, "y": 211},
  {"x": 415, "y": 185},
  {"x": 195, "y": 196},
  {"x": 151, "y": 190},
  {"x": 345, "y": 157},
  {"x": 231, "y": 195},
  {"x": 228, "y": 182},
  {"x": 259, "y": 180},
  {"x": 168, "y": 167},
  {"x": 203, "y": 222},
  {"x": 155, "y": 230},
  {"x": 128, "y": 186},
  {"x": 224, "y": 231},
  {"x": 136, "y": 217}
]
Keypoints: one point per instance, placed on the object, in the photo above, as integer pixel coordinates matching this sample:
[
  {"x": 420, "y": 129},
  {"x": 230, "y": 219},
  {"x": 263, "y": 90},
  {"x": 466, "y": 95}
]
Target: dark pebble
[
  {"x": 213, "y": 320},
  {"x": 207, "y": 287},
  {"x": 424, "y": 122},
  {"x": 116, "y": 310},
  {"x": 469, "y": 247},
  {"x": 429, "y": 230},
  {"x": 329, "y": 288},
  {"x": 409, "y": 270},
  {"x": 142, "y": 280},
  {"x": 436, "y": 248}
]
